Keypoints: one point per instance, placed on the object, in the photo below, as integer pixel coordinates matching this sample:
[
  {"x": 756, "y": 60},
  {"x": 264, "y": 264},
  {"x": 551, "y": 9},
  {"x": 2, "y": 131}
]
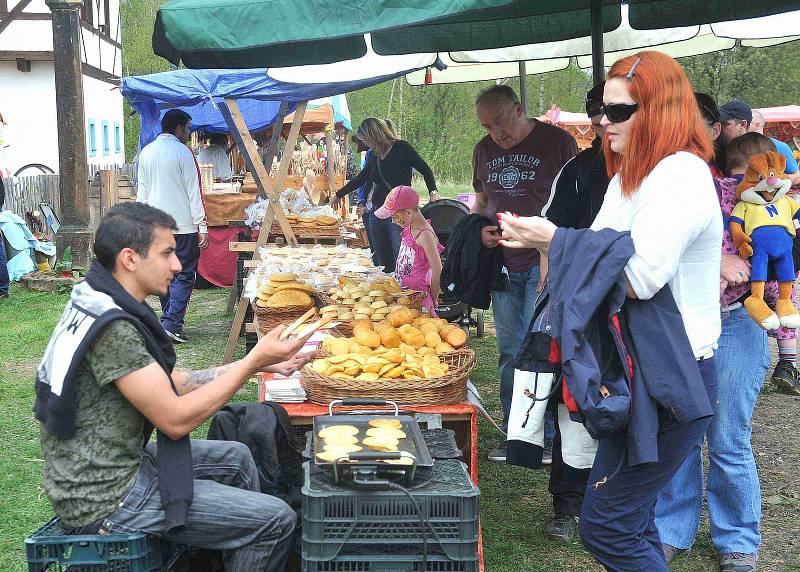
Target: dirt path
[{"x": 776, "y": 443}]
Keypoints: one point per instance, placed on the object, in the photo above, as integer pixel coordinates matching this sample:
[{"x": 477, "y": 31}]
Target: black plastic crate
[
  {"x": 391, "y": 563},
  {"x": 342, "y": 522},
  {"x": 51, "y": 549}
]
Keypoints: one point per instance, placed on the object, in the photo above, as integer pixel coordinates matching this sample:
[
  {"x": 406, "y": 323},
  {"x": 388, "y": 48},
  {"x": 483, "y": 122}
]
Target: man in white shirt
[
  {"x": 216, "y": 155},
  {"x": 169, "y": 179}
]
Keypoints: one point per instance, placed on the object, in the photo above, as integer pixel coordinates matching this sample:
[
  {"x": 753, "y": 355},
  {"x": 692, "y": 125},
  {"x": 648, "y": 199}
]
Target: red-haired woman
[{"x": 656, "y": 149}]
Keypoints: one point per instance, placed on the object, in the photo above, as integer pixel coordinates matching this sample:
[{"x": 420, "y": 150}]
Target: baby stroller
[{"x": 444, "y": 215}]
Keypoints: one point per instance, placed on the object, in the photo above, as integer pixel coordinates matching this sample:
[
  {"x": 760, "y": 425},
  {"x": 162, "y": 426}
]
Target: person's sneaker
[
  {"x": 670, "y": 552},
  {"x": 786, "y": 377},
  {"x": 737, "y": 562},
  {"x": 561, "y": 527},
  {"x": 178, "y": 338},
  {"x": 547, "y": 454},
  {"x": 498, "y": 453},
  {"x": 3, "y": 294}
]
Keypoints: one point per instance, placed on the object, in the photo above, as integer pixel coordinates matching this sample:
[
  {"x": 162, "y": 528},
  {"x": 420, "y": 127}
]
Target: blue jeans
[
  {"x": 617, "y": 520},
  {"x": 175, "y": 302},
  {"x": 512, "y": 310},
  {"x": 384, "y": 236},
  {"x": 4, "y": 279},
  {"x": 733, "y": 490},
  {"x": 255, "y": 531}
]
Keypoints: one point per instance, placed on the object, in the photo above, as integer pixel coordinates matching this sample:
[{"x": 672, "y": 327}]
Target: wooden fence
[{"x": 106, "y": 188}]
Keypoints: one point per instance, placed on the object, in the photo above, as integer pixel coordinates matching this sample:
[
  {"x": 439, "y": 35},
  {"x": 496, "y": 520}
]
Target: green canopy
[{"x": 282, "y": 33}]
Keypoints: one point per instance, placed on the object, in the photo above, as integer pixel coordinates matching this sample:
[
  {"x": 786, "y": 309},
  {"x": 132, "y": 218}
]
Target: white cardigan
[{"x": 676, "y": 225}]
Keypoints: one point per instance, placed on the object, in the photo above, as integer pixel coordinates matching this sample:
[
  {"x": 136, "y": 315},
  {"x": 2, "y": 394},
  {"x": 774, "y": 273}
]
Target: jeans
[
  {"x": 513, "y": 310},
  {"x": 384, "y": 237},
  {"x": 4, "y": 279},
  {"x": 617, "y": 522},
  {"x": 733, "y": 489},
  {"x": 255, "y": 531},
  {"x": 176, "y": 300}
]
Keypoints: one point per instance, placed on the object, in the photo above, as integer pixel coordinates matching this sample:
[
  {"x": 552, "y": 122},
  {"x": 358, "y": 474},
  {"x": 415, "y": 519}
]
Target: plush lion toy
[{"x": 762, "y": 228}]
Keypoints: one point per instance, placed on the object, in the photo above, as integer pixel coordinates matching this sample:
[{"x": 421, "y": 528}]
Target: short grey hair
[{"x": 497, "y": 94}]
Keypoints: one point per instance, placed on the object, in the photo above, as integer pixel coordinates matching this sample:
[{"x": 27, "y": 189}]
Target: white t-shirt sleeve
[
  {"x": 671, "y": 210},
  {"x": 189, "y": 171}
]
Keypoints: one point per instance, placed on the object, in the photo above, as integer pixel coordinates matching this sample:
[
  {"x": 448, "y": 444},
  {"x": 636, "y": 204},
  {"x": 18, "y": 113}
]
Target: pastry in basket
[
  {"x": 390, "y": 432},
  {"x": 283, "y": 277},
  {"x": 287, "y": 298},
  {"x": 333, "y": 430},
  {"x": 295, "y": 286},
  {"x": 381, "y": 443},
  {"x": 386, "y": 422}
]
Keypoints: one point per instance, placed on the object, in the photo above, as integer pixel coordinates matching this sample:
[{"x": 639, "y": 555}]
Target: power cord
[{"x": 422, "y": 523}]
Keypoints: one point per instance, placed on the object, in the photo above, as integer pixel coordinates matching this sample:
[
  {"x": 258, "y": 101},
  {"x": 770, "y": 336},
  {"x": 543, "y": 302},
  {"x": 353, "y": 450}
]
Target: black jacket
[
  {"x": 470, "y": 270},
  {"x": 267, "y": 431},
  {"x": 579, "y": 189}
]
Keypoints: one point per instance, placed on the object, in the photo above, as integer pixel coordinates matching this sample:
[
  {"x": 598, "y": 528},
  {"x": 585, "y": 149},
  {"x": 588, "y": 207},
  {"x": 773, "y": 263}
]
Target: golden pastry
[
  {"x": 385, "y": 422},
  {"x": 286, "y": 298},
  {"x": 331, "y": 430},
  {"x": 283, "y": 277},
  {"x": 381, "y": 444},
  {"x": 386, "y": 432}
]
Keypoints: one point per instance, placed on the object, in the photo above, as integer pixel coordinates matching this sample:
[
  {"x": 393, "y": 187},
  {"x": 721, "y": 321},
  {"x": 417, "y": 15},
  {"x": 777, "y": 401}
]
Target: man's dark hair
[
  {"x": 594, "y": 99},
  {"x": 128, "y": 225},
  {"x": 497, "y": 94},
  {"x": 218, "y": 139},
  {"x": 174, "y": 118},
  {"x": 740, "y": 149}
]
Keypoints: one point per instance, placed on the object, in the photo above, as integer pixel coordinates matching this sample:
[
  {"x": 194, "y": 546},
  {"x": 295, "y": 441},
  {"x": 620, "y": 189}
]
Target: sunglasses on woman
[{"x": 618, "y": 112}]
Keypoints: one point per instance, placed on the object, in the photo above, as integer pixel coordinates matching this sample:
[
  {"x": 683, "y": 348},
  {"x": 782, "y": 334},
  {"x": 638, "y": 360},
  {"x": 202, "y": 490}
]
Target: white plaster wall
[
  {"x": 27, "y": 102},
  {"x": 28, "y": 105}
]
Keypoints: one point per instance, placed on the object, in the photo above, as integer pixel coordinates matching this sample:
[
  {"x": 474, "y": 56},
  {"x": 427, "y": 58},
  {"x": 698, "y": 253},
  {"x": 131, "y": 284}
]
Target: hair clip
[{"x": 633, "y": 69}]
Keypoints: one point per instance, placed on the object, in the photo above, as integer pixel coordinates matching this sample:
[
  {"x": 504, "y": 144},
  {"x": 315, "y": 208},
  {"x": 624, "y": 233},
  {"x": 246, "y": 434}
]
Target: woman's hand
[
  {"x": 434, "y": 196},
  {"x": 335, "y": 203},
  {"x": 734, "y": 270},
  {"x": 526, "y": 232}
]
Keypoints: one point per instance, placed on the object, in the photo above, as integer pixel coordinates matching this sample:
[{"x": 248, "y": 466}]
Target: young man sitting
[{"x": 108, "y": 377}]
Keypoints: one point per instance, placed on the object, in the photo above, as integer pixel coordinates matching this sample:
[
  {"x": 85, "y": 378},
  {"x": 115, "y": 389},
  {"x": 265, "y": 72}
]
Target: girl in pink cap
[{"x": 419, "y": 266}]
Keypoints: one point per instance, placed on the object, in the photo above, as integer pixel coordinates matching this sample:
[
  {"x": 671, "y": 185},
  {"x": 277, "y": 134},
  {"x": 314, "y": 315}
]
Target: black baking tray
[{"x": 413, "y": 443}]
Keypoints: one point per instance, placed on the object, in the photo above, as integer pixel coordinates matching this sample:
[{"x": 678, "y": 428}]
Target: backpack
[{"x": 267, "y": 431}]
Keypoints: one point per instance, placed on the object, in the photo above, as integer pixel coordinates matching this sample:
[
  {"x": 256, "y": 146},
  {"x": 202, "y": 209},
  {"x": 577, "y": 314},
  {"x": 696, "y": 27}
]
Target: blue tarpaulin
[{"x": 199, "y": 92}]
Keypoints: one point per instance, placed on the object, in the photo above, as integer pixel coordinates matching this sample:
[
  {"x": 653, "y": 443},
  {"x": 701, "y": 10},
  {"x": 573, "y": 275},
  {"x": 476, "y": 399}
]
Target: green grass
[{"x": 515, "y": 502}]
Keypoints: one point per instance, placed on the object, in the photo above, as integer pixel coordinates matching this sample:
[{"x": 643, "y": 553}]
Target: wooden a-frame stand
[{"x": 244, "y": 141}]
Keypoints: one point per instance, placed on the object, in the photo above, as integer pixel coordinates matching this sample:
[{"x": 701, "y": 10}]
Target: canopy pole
[
  {"x": 523, "y": 88},
  {"x": 272, "y": 147},
  {"x": 238, "y": 127},
  {"x": 598, "y": 60}
]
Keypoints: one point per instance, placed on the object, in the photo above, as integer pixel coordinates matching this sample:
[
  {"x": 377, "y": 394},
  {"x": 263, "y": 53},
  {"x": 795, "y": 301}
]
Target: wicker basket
[
  {"x": 271, "y": 318},
  {"x": 450, "y": 388}
]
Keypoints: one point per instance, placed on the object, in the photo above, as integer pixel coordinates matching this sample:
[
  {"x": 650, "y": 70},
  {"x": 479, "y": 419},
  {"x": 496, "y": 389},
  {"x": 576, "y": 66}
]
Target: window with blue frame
[
  {"x": 117, "y": 141},
  {"x": 106, "y": 139},
  {"x": 91, "y": 138}
]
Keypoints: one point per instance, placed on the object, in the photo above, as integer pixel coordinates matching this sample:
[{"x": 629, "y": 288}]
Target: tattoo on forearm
[{"x": 204, "y": 376}]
